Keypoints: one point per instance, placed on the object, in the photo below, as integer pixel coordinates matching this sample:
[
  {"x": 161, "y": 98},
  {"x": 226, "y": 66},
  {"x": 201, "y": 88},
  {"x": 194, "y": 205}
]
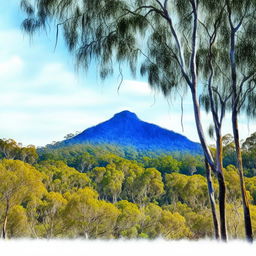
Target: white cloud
[
  {"x": 42, "y": 99},
  {"x": 10, "y": 67},
  {"x": 9, "y": 44},
  {"x": 55, "y": 74},
  {"x": 135, "y": 87},
  {"x": 44, "y": 127}
]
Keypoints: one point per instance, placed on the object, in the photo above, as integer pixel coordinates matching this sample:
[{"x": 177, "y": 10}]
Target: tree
[
  {"x": 128, "y": 219},
  {"x": 85, "y": 162},
  {"x": 50, "y": 213},
  {"x": 131, "y": 186},
  {"x": 150, "y": 224},
  {"x": 251, "y": 187},
  {"x": 249, "y": 151},
  {"x": 17, "y": 225},
  {"x": 9, "y": 148},
  {"x": 151, "y": 185},
  {"x": 33, "y": 215},
  {"x": 198, "y": 222},
  {"x": 141, "y": 185},
  {"x": 174, "y": 225},
  {"x": 18, "y": 181},
  {"x": 59, "y": 177},
  {"x": 232, "y": 181},
  {"x": 235, "y": 222},
  {"x": 28, "y": 154},
  {"x": 188, "y": 165},
  {"x": 211, "y": 60},
  {"x": 69, "y": 136},
  {"x": 163, "y": 163},
  {"x": 237, "y": 38},
  {"x": 191, "y": 190},
  {"x": 89, "y": 217},
  {"x": 253, "y": 212},
  {"x": 108, "y": 181}
]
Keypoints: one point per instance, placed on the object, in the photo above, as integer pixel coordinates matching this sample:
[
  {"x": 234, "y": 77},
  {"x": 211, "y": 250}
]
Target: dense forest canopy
[{"x": 113, "y": 192}]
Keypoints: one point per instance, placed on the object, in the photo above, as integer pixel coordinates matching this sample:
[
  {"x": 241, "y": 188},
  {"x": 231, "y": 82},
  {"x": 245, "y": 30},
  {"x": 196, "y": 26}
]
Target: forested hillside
[
  {"x": 113, "y": 192},
  {"x": 127, "y": 130}
]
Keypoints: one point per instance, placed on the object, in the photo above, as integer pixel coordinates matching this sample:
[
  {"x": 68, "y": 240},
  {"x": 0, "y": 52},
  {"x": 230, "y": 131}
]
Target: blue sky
[{"x": 42, "y": 97}]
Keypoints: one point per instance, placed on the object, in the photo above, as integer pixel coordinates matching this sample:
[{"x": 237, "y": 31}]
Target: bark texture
[{"x": 212, "y": 201}]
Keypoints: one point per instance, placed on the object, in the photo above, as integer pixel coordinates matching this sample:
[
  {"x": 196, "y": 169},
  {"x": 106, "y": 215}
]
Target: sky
[{"x": 43, "y": 97}]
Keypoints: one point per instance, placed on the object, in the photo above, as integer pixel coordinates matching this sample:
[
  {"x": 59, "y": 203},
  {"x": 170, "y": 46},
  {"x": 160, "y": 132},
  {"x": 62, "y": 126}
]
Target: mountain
[{"x": 126, "y": 129}]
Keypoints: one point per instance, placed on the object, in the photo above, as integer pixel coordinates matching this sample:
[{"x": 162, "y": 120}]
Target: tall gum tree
[
  {"x": 232, "y": 57},
  {"x": 111, "y": 31},
  {"x": 18, "y": 181},
  {"x": 216, "y": 96},
  {"x": 240, "y": 43}
]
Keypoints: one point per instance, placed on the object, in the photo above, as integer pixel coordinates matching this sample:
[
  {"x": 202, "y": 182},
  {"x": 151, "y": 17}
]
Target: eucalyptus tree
[
  {"x": 237, "y": 36},
  {"x": 215, "y": 100},
  {"x": 18, "y": 181},
  {"x": 231, "y": 74},
  {"x": 111, "y": 32}
]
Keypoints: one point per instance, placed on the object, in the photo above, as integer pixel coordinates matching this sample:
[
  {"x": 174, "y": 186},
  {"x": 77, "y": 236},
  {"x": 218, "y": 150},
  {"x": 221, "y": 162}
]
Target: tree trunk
[
  {"x": 222, "y": 185},
  {"x": 246, "y": 208},
  {"x": 222, "y": 196},
  {"x": 208, "y": 156},
  {"x": 200, "y": 131},
  {"x": 212, "y": 200},
  {"x": 4, "y": 230},
  {"x": 235, "y": 108},
  {"x": 219, "y": 148}
]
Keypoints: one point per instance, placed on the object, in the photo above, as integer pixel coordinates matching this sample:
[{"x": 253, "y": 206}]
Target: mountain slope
[{"x": 126, "y": 129}]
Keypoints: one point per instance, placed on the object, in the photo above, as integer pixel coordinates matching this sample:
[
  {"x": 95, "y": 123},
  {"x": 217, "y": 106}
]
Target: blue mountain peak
[
  {"x": 126, "y": 129},
  {"x": 126, "y": 115}
]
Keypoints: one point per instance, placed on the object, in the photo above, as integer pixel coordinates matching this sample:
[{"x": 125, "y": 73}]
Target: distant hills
[{"x": 126, "y": 129}]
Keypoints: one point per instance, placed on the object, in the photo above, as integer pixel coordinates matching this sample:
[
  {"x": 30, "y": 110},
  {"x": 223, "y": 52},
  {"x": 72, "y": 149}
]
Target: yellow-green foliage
[
  {"x": 173, "y": 225},
  {"x": 253, "y": 216},
  {"x": 199, "y": 222},
  {"x": 18, "y": 181},
  {"x": 108, "y": 180},
  {"x": 87, "y": 216},
  {"x": 61, "y": 178},
  {"x": 151, "y": 220},
  {"x": 18, "y": 222},
  {"x": 116, "y": 199},
  {"x": 188, "y": 189},
  {"x": 128, "y": 220}
]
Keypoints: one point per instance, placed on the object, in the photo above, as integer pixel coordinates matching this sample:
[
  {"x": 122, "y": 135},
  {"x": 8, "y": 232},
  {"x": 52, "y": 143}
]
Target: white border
[{"x": 140, "y": 247}]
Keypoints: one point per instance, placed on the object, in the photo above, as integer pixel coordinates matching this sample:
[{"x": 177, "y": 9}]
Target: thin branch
[
  {"x": 248, "y": 90},
  {"x": 193, "y": 42},
  {"x": 245, "y": 79},
  {"x": 122, "y": 78},
  {"x": 60, "y": 24},
  {"x": 182, "y": 111},
  {"x": 177, "y": 41}
]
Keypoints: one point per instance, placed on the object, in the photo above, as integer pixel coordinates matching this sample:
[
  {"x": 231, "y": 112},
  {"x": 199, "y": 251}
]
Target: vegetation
[
  {"x": 190, "y": 45},
  {"x": 115, "y": 195}
]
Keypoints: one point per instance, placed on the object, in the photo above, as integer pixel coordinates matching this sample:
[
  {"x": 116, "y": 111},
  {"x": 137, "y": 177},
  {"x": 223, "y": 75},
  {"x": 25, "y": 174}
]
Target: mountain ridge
[{"x": 126, "y": 129}]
